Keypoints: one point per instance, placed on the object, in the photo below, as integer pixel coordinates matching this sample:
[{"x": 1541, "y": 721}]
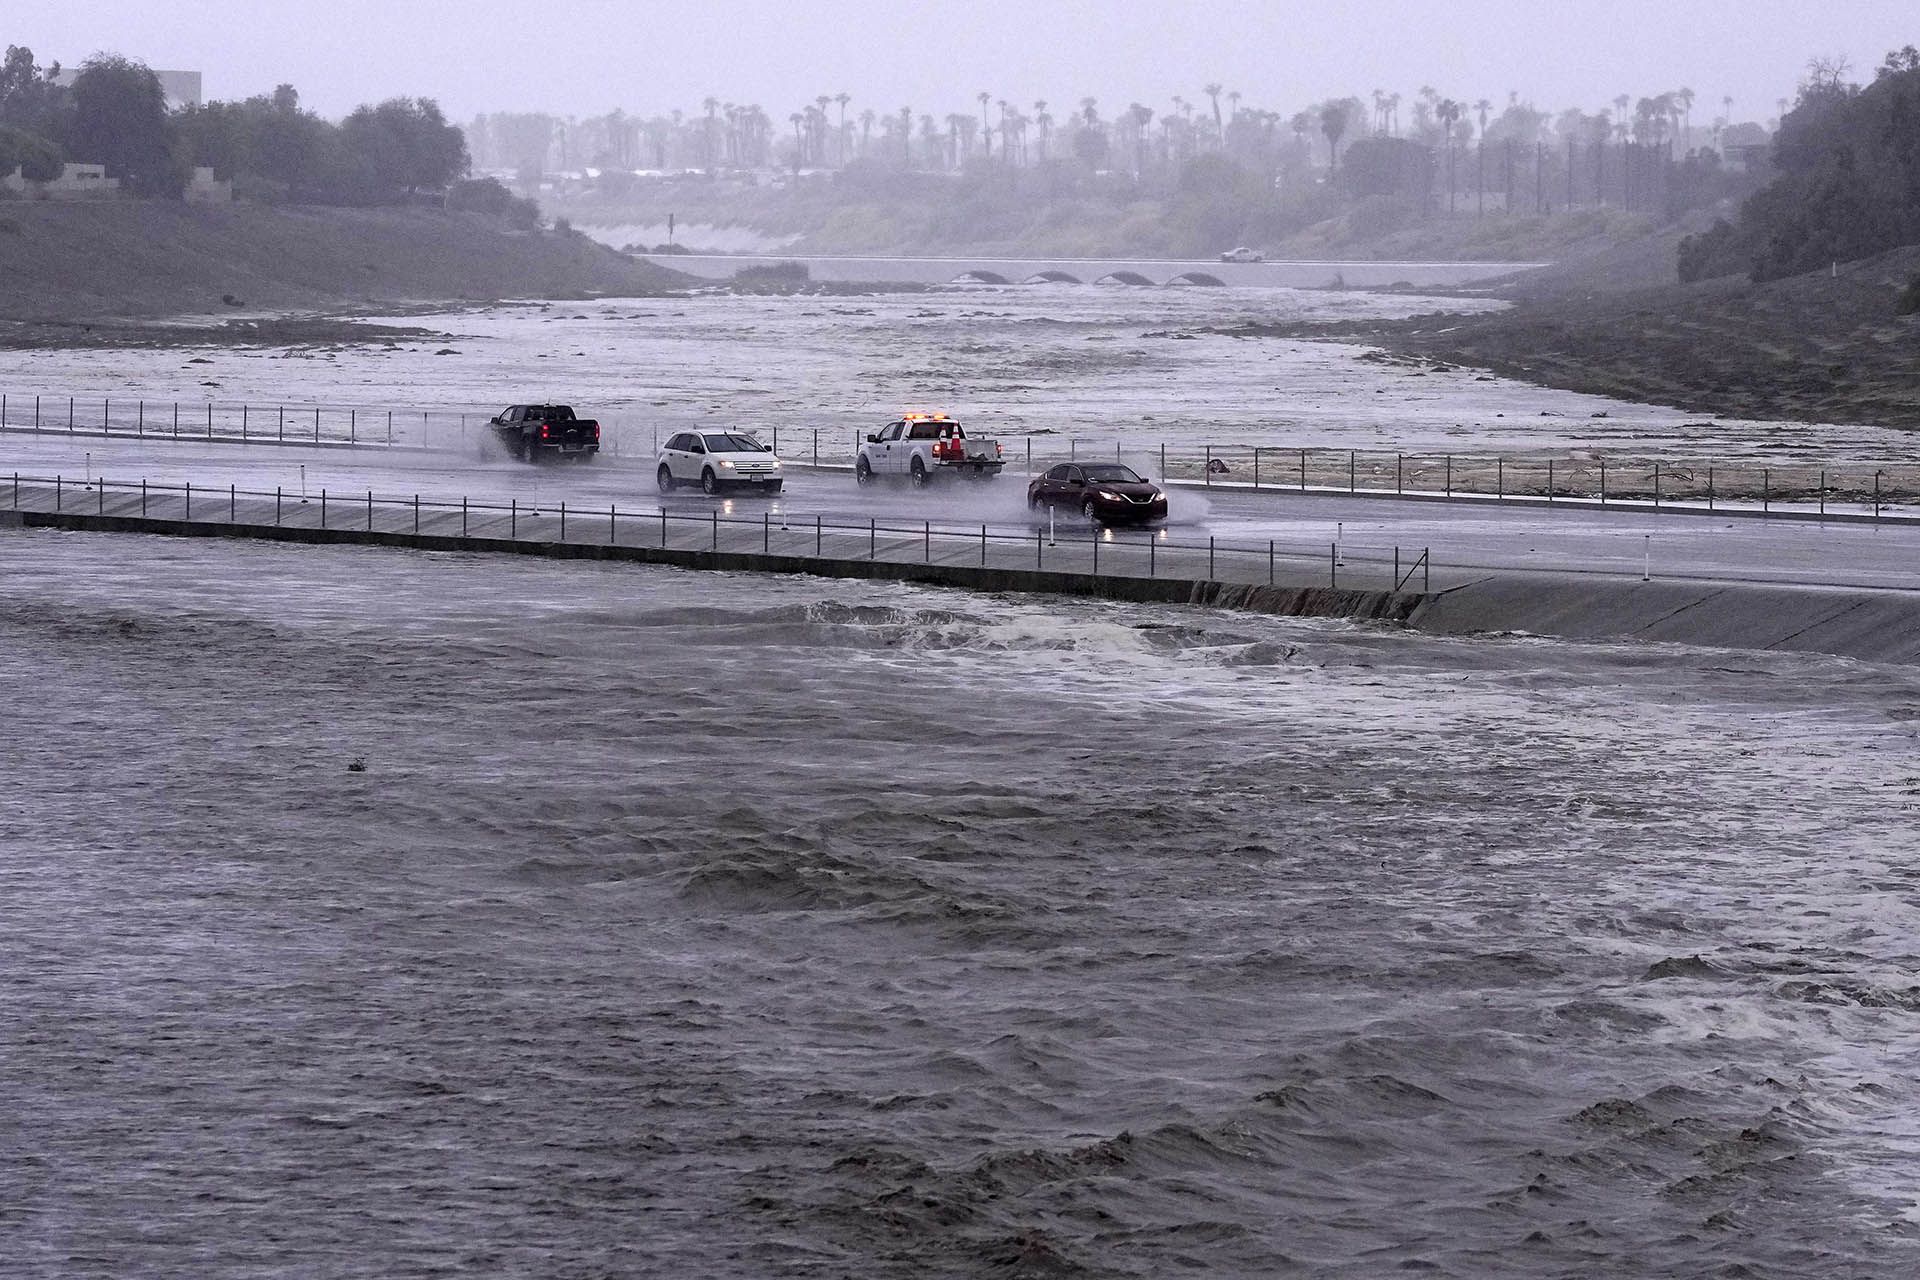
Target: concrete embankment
[{"x": 1875, "y": 626}]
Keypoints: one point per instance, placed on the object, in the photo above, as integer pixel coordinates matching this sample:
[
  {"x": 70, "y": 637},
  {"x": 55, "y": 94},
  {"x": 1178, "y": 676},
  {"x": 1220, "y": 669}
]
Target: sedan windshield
[
  {"x": 1112, "y": 473},
  {"x": 733, "y": 443}
]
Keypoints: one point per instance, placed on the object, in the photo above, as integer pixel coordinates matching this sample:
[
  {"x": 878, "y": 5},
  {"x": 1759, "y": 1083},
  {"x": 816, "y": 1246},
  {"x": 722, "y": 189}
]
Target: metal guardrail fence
[
  {"x": 1145, "y": 553},
  {"x": 1584, "y": 475}
]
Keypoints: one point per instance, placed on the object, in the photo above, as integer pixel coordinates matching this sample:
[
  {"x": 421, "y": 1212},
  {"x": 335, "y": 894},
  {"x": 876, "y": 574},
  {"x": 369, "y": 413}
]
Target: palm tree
[
  {"x": 986, "y": 134},
  {"x": 1213, "y": 92},
  {"x": 1142, "y": 116},
  {"x": 867, "y": 118},
  {"x": 1045, "y": 121},
  {"x": 712, "y": 105},
  {"x": 1483, "y": 107},
  {"x": 1333, "y": 123},
  {"x": 799, "y": 142},
  {"x": 843, "y": 99},
  {"x": 1685, "y": 98},
  {"x": 906, "y": 137}
]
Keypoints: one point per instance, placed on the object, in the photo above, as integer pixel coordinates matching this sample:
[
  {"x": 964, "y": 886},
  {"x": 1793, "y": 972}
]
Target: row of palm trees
[{"x": 826, "y": 135}]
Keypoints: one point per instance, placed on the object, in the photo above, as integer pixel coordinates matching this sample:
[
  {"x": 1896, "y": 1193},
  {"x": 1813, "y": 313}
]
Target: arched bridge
[{"x": 1138, "y": 273}]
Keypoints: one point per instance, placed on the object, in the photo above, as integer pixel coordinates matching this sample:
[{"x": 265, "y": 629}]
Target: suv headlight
[{"x": 726, "y": 462}]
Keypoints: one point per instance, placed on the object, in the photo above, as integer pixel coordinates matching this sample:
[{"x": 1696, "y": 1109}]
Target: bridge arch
[
  {"x": 1199, "y": 278},
  {"x": 980, "y": 276},
  {"x": 1123, "y": 277},
  {"x": 1051, "y": 276}
]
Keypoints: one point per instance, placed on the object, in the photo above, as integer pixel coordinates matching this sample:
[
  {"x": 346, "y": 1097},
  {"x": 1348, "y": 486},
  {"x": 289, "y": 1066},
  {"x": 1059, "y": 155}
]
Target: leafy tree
[
  {"x": 404, "y": 145},
  {"x": 490, "y": 196},
  {"x": 30, "y": 97},
  {"x": 37, "y": 158},
  {"x": 120, "y": 120}
]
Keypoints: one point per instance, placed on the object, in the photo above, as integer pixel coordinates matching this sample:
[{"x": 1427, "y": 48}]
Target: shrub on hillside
[{"x": 490, "y": 196}]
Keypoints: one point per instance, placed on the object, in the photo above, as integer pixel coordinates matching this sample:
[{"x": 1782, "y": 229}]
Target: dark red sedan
[{"x": 1103, "y": 492}]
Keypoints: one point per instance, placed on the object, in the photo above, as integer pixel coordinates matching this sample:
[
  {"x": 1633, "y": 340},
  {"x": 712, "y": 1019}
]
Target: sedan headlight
[
  {"x": 1104, "y": 496},
  {"x": 726, "y": 462}
]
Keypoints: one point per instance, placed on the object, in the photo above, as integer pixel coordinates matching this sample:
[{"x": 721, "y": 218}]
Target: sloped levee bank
[{"x": 1873, "y": 626}]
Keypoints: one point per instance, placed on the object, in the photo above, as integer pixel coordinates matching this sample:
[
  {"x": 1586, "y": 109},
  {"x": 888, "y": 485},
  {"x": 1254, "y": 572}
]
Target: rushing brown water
[{"x": 377, "y": 913}]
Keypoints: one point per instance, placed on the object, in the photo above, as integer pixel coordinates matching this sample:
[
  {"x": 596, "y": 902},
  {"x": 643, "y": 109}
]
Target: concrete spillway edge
[{"x": 1873, "y": 626}]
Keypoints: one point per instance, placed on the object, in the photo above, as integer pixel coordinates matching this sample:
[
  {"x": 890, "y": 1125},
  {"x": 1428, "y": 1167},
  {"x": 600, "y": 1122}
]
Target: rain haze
[
  {"x": 961, "y": 640},
  {"x": 572, "y": 57}
]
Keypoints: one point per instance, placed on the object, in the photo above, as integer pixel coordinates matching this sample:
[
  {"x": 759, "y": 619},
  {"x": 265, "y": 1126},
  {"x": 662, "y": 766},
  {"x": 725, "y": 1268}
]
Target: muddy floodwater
[
  {"x": 377, "y": 913},
  {"x": 1097, "y": 363}
]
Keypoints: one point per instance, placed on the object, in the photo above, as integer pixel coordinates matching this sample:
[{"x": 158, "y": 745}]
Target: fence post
[
  {"x": 233, "y": 503},
  {"x": 1549, "y": 481},
  {"x": 1656, "y": 486},
  {"x": 463, "y": 515},
  {"x": 463, "y": 426},
  {"x": 1876, "y": 494},
  {"x": 613, "y": 536},
  {"x": 416, "y": 513},
  {"x": 716, "y": 529},
  {"x": 1426, "y": 570},
  {"x": 1152, "y": 554},
  {"x": 1709, "y": 486},
  {"x": 870, "y": 538},
  {"x": 1303, "y": 471},
  {"x": 563, "y": 519},
  {"x": 243, "y": 422},
  {"x": 69, "y": 415},
  {"x": 1449, "y": 475},
  {"x": 283, "y": 423},
  {"x": 1163, "y": 459},
  {"x": 1209, "y": 468},
  {"x": 1352, "y": 466},
  {"x": 143, "y": 499},
  {"x": 1333, "y": 565},
  {"x": 58, "y": 500},
  {"x": 140, "y": 422},
  {"x": 1399, "y": 484},
  {"x": 817, "y": 543},
  {"x": 926, "y": 532},
  {"x": 209, "y": 419},
  {"x": 1209, "y": 557},
  {"x": 1269, "y": 562},
  {"x": 1766, "y": 490},
  {"x": 106, "y": 416},
  {"x": 189, "y": 511},
  {"x": 369, "y": 511},
  {"x": 1256, "y": 466},
  {"x": 983, "y": 546},
  {"x": 353, "y": 426},
  {"x": 1039, "y": 551},
  {"x": 816, "y": 447},
  {"x": 276, "y": 502},
  {"x": 513, "y": 517},
  {"x": 766, "y": 532},
  {"x": 1396, "y": 567},
  {"x": 663, "y": 528},
  {"x": 323, "y": 508},
  {"x": 1500, "y": 477}
]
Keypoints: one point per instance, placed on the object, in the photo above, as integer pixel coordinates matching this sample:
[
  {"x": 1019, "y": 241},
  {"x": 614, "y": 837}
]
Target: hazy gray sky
[{"x": 584, "y": 57}]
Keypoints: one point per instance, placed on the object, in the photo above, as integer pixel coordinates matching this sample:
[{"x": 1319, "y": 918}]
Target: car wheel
[
  {"x": 776, "y": 486},
  {"x": 664, "y": 478},
  {"x": 1091, "y": 512},
  {"x": 1033, "y": 502},
  {"x": 862, "y": 470},
  {"x": 709, "y": 482},
  {"x": 919, "y": 474}
]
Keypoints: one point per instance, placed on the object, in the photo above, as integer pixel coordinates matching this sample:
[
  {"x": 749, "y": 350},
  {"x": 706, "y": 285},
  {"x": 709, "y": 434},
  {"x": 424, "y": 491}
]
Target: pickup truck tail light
[
  {"x": 997, "y": 450},
  {"x": 543, "y": 431}
]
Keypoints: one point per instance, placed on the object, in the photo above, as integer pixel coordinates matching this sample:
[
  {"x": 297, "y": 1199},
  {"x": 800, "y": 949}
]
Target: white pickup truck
[{"x": 920, "y": 446}]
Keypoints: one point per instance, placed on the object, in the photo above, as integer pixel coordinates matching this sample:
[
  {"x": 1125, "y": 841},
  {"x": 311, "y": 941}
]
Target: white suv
[{"x": 717, "y": 460}]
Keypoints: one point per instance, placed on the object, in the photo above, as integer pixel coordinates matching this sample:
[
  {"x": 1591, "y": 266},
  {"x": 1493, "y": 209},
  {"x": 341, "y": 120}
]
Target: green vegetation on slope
[{"x": 152, "y": 258}]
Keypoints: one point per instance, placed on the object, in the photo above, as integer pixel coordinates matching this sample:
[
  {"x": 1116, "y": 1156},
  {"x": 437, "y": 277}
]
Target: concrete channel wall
[{"x": 1875, "y": 626}]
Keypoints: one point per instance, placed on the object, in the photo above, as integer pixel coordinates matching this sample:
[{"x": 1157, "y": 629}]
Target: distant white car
[
  {"x": 718, "y": 460},
  {"x": 1243, "y": 254}
]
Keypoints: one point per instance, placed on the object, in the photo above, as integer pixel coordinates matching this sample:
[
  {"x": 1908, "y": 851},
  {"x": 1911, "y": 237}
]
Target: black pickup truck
[{"x": 534, "y": 431}]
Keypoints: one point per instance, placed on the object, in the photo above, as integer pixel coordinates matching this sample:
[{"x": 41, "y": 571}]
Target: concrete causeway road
[
  {"x": 1466, "y": 538},
  {"x": 1280, "y": 273}
]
